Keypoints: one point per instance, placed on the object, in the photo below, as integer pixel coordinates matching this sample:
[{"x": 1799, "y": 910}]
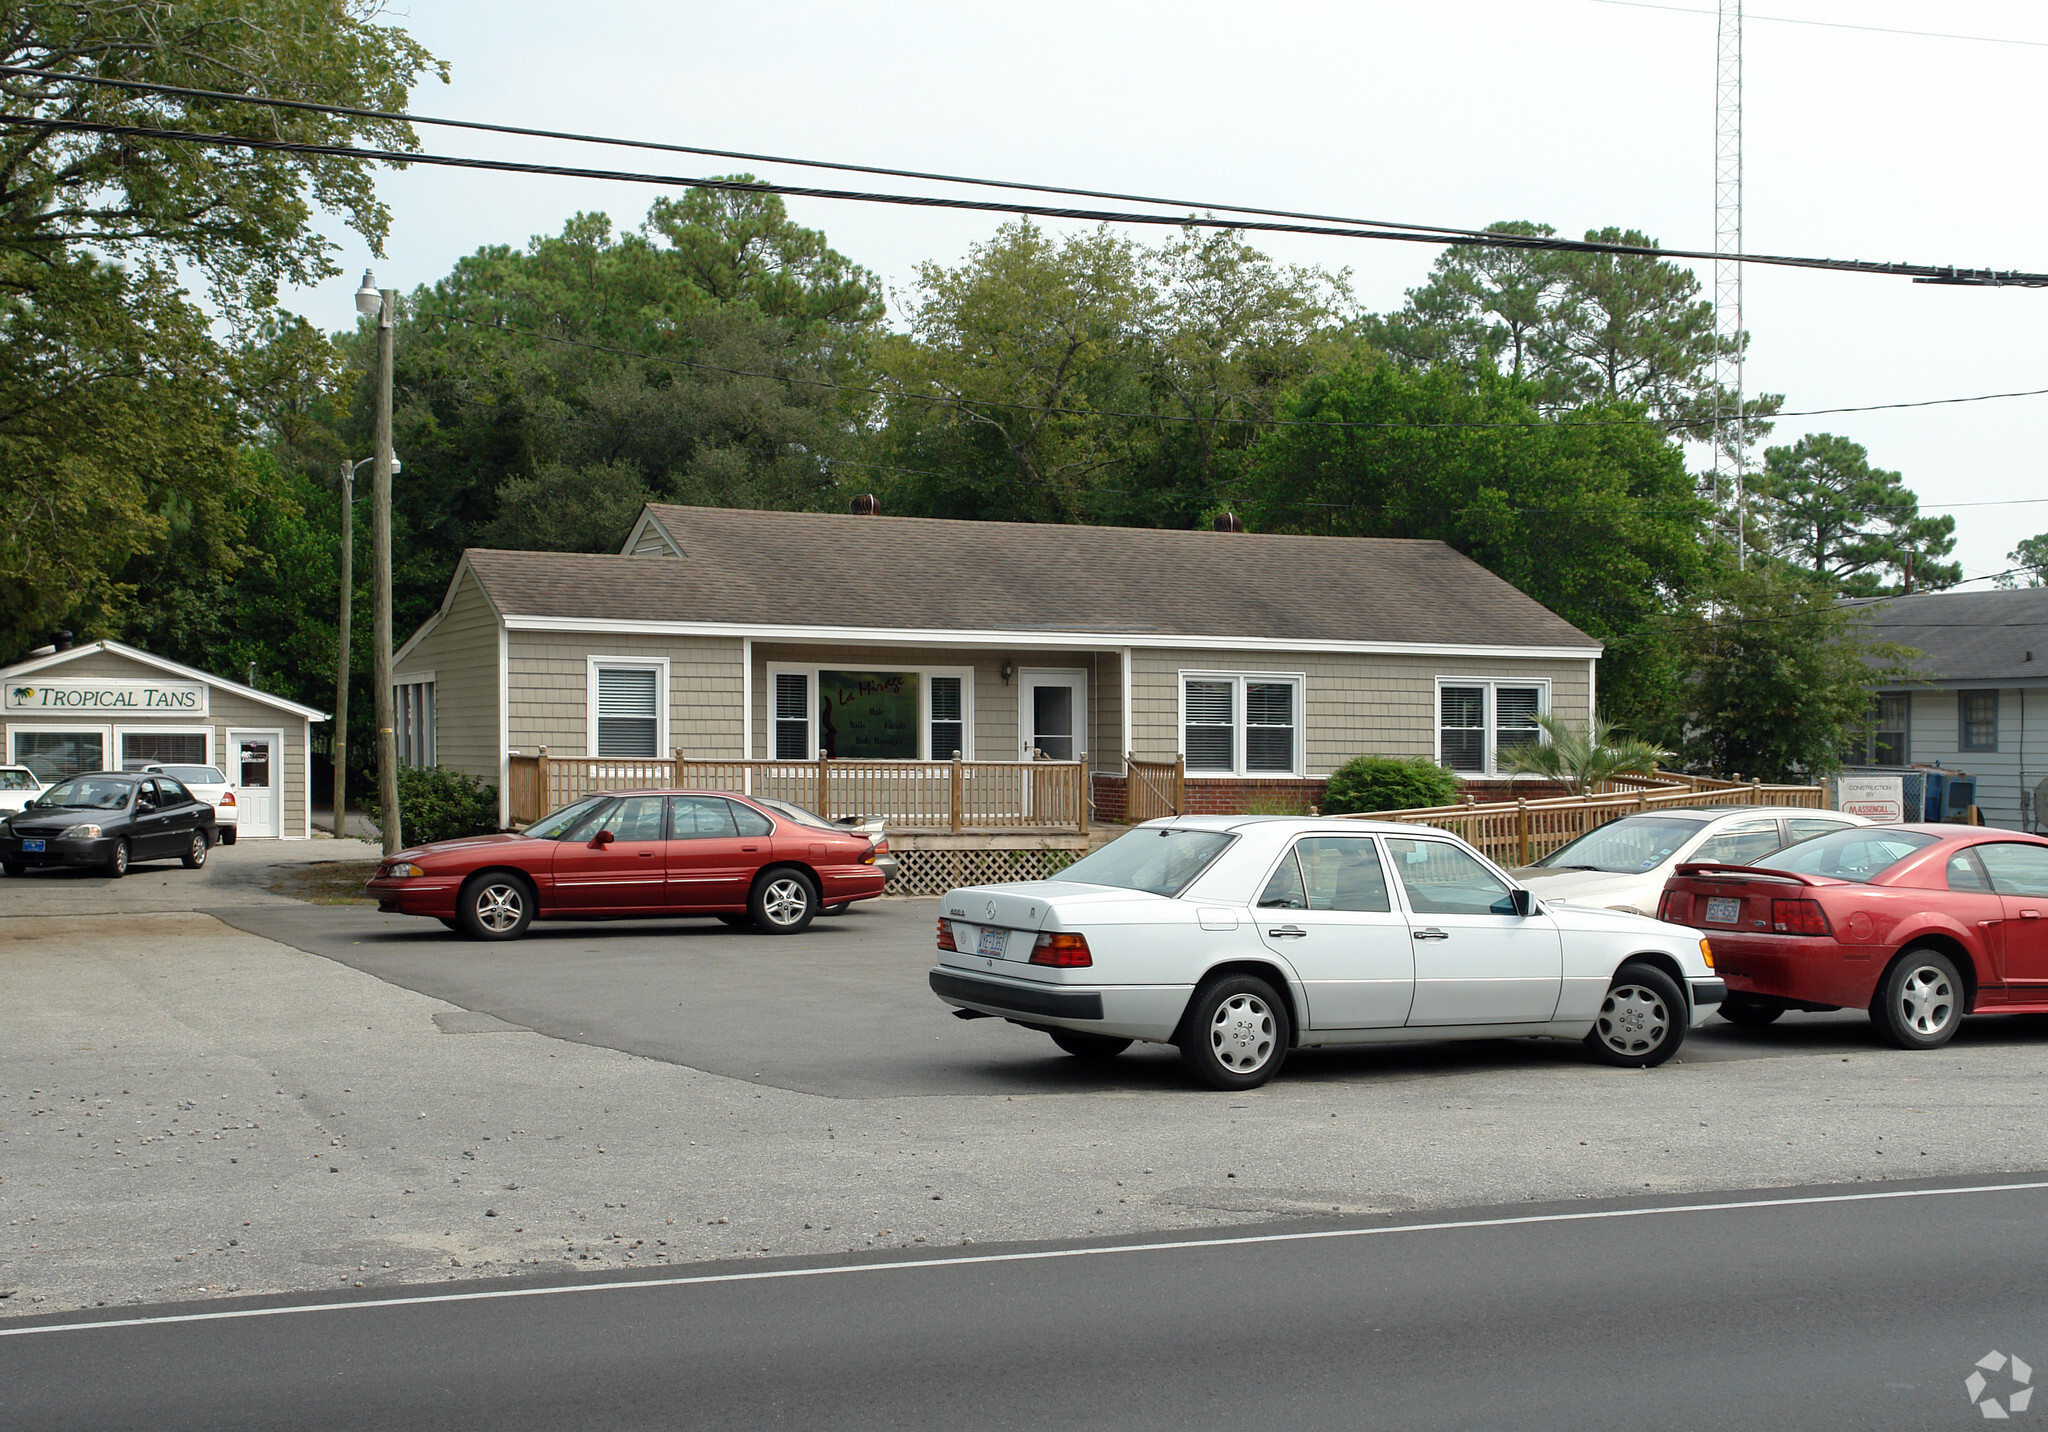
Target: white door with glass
[
  {"x": 1052, "y": 714},
  {"x": 256, "y": 766}
]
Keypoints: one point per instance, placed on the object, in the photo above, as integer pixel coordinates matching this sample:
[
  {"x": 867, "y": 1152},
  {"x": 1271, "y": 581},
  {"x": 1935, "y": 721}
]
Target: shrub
[
  {"x": 1370, "y": 783},
  {"x": 435, "y": 803}
]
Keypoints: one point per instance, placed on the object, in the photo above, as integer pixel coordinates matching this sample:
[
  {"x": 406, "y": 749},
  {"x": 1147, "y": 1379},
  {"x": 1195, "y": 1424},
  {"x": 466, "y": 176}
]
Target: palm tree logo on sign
[{"x": 1976, "y": 1384}]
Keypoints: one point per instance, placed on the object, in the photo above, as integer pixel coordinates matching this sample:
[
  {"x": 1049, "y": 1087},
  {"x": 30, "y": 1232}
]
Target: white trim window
[
  {"x": 880, "y": 711},
  {"x": 1478, "y": 721},
  {"x": 1241, "y": 723},
  {"x": 628, "y": 700},
  {"x": 140, "y": 746},
  {"x": 412, "y": 709},
  {"x": 54, "y": 752}
]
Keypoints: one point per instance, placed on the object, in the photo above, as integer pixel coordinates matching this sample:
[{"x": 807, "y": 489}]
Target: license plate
[
  {"x": 33, "y": 847},
  {"x": 1724, "y": 910},
  {"x": 993, "y": 942}
]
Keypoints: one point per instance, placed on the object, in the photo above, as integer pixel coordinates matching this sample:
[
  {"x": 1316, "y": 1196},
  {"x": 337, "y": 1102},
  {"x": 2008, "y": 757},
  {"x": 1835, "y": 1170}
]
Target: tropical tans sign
[{"x": 151, "y": 698}]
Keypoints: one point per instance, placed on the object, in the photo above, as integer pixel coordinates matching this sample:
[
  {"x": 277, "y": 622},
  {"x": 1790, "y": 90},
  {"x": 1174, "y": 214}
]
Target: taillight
[
  {"x": 227, "y": 798},
  {"x": 946, "y": 937},
  {"x": 1066, "y": 951},
  {"x": 880, "y": 847},
  {"x": 1799, "y": 917},
  {"x": 1676, "y": 906}
]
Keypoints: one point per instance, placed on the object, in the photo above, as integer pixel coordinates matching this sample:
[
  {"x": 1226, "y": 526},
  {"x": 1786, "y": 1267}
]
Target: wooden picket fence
[
  {"x": 1154, "y": 789},
  {"x": 910, "y": 795},
  {"x": 1518, "y": 832}
]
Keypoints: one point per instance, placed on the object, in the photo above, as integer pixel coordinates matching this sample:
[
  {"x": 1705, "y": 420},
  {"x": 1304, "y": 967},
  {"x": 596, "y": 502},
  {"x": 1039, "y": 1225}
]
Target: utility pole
[
  {"x": 1730, "y": 427},
  {"x": 348, "y": 589},
  {"x": 383, "y": 303}
]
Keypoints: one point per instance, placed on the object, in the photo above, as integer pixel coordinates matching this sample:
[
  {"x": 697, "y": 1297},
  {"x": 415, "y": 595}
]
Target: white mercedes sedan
[{"x": 1238, "y": 938}]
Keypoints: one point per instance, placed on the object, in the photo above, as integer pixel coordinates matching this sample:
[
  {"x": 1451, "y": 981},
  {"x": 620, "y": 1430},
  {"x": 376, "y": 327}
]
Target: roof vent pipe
[
  {"x": 1228, "y": 522},
  {"x": 867, "y": 505},
  {"x": 61, "y": 641}
]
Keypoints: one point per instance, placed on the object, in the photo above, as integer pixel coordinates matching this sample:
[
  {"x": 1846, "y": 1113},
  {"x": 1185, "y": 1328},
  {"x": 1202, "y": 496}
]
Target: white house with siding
[{"x": 1264, "y": 661}]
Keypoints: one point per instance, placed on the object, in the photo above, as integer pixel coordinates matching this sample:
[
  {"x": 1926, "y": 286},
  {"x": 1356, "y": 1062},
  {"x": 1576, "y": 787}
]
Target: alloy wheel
[
  {"x": 500, "y": 906},
  {"x": 1243, "y": 1034},
  {"x": 785, "y": 900},
  {"x": 1927, "y": 1001},
  {"x": 1633, "y": 1019}
]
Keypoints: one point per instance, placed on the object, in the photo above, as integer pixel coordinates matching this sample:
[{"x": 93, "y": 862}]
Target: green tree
[
  {"x": 1779, "y": 676},
  {"x": 2031, "y": 557},
  {"x": 1584, "y": 757},
  {"x": 118, "y": 433},
  {"x": 1482, "y": 306},
  {"x": 1832, "y": 513}
]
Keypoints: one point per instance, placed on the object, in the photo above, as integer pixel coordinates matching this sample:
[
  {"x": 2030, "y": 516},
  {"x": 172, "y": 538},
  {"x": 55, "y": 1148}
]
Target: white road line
[{"x": 970, "y": 1260}]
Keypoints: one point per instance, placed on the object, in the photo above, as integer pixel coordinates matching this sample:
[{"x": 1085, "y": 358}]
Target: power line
[
  {"x": 1833, "y": 24},
  {"x": 1919, "y": 273}
]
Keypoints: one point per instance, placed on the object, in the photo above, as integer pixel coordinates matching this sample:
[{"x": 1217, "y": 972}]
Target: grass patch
[{"x": 324, "y": 882}]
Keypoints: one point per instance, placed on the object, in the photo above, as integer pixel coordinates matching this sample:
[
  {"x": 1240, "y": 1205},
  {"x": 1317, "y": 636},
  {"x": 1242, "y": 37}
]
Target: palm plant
[{"x": 1583, "y": 757}]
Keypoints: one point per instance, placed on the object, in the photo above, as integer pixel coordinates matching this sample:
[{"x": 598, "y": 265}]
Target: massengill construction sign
[{"x": 121, "y": 698}]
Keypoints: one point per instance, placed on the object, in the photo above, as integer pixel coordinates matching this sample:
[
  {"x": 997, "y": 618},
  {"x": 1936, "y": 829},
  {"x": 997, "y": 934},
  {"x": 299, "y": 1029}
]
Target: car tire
[
  {"x": 117, "y": 861},
  {"x": 1094, "y": 1048},
  {"x": 227, "y": 835},
  {"x": 1643, "y": 1018},
  {"x": 495, "y": 906},
  {"x": 1236, "y": 1034},
  {"x": 1919, "y": 1002},
  {"x": 784, "y": 901},
  {"x": 15, "y": 869},
  {"x": 195, "y": 853},
  {"x": 840, "y": 909},
  {"x": 455, "y": 925},
  {"x": 1749, "y": 1013},
  {"x": 737, "y": 922}
]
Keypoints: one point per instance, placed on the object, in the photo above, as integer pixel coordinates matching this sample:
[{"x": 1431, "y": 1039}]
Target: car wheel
[
  {"x": 117, "y": 863},
  {"x": 1091, "y": 1047},
  {"x": 497, "y": 906},
  {"x": 227, "y": 835},
  {"x": 1236, "y": 1035},
  {"x": 455, "y": 925},
  {"x": 737, "y": 922},
  {"x": 1919, "y": 1003},
  {"x": 784, "y": 902},
  {"x": 15, "y": 869},
  {"x": 195, "y": 853},
  {"x": 840, "y": 909},
  {"x": 1642, "y": 1020},
  {"x": 1749, "y": 1013}
]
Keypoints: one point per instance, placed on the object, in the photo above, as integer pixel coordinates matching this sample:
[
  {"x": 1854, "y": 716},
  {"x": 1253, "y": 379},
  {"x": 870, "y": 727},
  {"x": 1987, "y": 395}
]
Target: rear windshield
[
  {"x": 1860, "y": 853},
  {"x": 1622, "y": 847},
  {"x": 18, "y": 780},
  {"x": 1162, "y": 861},
  {"x": 194, "y": 775},
  {"x": 799, "y": 814}
]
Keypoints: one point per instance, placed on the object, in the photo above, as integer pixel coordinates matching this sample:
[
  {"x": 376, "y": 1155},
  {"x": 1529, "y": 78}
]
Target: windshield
[
  {"x": 18, "y": 780},
  {"x": 798, "y": 814},
  {"x": 1860, "y": 854},
  {"x": 88, "y": 793},
  {"x": 193, "y": 775},
  {"x": 1161, "y": 861},
  {"x": 1624, "y": 847},
  {"x": 554, "y": 826}
]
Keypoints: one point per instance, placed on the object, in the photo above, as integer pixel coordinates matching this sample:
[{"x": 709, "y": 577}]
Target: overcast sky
[{"x": 1575, "y": 113}]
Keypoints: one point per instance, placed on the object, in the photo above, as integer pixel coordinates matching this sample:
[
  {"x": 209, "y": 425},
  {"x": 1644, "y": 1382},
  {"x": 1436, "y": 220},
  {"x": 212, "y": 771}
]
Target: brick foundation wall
[{"x": 1109, "y": 797}]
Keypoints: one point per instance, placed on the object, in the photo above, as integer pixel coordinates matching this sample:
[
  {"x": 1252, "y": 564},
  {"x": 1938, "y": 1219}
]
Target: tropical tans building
[{"x": 1262, "y": 662}]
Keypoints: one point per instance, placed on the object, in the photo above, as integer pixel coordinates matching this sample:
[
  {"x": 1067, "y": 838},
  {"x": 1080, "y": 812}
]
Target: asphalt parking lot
[{"x": 843, "y": 1010}]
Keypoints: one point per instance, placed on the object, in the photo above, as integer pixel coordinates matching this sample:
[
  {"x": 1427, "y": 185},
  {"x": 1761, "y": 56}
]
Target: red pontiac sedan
[
  {"x": 639, "y": 854},
  {"x": 1919, "y": 924}
]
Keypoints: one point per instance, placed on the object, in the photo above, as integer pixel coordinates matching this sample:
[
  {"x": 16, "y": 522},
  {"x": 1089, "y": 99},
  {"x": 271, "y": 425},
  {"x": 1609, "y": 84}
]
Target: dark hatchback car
[{"x": 108, "y": 821}]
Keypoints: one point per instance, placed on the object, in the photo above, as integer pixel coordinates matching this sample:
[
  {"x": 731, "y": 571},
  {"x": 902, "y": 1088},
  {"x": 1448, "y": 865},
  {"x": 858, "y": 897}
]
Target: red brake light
[
  {"x": 1066, "y": 951},
  {"x": 1799, "y": 917},
  {"x": 880, "y": 847},
  {"x": 946, "y": 937},
  {"x": 227, "y": 797},
  {"x": 1676, "y": 906}
]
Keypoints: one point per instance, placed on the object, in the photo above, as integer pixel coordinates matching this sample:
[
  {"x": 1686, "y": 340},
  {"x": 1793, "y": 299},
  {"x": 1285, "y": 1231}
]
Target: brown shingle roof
[{"x": 898, "y": 573}]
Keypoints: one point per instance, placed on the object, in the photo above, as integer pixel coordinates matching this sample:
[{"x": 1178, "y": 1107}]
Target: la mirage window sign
[{"x": 141, "y": 698}]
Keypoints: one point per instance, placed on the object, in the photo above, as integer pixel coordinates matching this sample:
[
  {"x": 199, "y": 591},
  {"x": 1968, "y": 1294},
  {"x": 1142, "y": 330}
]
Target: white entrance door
[
  {"x": 1052, "y": 715},
  {"x": 256, "y": 766}
]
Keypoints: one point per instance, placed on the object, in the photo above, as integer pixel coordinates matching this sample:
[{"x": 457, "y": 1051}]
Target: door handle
[
  {"x": 750, "y": 847},
  {"x": 1288, "y": 932},
  {"x": 647, "y": 855},
  {"x": 1431, "y": 934},
  {"x": 2030, "y": 914}
]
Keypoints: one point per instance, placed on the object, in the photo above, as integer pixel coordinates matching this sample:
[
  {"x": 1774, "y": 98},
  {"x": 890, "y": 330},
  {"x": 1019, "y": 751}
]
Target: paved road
[
  {"x": 843, "y": 1010},
  {"x": 1809, "y": 1308}
]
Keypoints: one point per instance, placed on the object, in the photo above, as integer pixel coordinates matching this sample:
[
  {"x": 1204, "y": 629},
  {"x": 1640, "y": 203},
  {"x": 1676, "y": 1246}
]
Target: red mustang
[
  {"x": 1919, "y": 924},
  {"x": 644, "y": 854}
]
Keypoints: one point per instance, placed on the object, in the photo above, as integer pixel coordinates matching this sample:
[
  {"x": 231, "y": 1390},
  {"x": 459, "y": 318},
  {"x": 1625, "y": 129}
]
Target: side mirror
[
  {"x": 601, "y": 840},
  {"x": 1524, "y": 902}
]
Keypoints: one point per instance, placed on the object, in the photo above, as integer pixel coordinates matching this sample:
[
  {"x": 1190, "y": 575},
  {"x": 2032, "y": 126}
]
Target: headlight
[
  {"x": 79, "y": 832},
  {"x": 404, "y": 870},
  {"x": 1707, "y": 953}
]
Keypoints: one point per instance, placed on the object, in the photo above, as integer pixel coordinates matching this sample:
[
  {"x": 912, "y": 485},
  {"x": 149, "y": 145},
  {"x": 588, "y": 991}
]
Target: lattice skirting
[{"x": 934, "y": 872}]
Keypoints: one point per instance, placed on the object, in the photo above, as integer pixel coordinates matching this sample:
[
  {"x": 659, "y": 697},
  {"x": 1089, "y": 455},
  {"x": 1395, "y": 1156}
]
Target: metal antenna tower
[{"x": 1729, "y": 427}]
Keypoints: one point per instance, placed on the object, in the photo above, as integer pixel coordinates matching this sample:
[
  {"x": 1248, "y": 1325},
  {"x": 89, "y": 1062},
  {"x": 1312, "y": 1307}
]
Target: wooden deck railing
[
  {"x": 1517, "y": 832},
  {"x": 910, "y": 795},
  {"x": 1153, "y": 789}
]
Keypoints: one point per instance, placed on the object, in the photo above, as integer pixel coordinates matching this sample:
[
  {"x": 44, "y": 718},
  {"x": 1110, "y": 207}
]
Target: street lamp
[
  {"x": 348, "y": 591},
  {"x": 383, "y": 303}
]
